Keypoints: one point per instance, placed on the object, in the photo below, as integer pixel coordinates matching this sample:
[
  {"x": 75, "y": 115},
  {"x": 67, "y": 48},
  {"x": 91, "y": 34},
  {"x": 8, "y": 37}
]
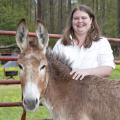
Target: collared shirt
[{"x": 99, "y": 54}]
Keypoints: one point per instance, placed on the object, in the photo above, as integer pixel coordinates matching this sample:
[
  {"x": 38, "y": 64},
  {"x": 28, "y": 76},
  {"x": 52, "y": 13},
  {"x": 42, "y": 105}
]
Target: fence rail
[
  {"x": 17, "y": 82},
  {"x": 11, "y": 104},
  {"x": 32, "y": 34},
  {"x": 10, "y": 82}
]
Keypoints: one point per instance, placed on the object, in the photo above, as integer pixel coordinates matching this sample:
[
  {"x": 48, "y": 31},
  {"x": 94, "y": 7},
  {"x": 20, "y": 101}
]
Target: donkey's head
[{"x": 33, "y": 64}]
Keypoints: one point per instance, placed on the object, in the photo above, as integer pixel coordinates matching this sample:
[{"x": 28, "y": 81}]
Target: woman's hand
[
  {"x": 103, "y": 71},
  {"x": 78, "y": 74}
]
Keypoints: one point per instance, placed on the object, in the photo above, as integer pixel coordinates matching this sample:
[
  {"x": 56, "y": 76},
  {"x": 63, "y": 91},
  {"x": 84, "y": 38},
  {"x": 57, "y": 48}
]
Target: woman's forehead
[{"x": 80, "y": 13}]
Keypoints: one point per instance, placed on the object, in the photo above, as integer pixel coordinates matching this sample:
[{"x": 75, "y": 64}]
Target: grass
[
  {"x": 116, "y": 73},
  {"x": 13, "y": 94},
  {"x": 14, "y": 113}
]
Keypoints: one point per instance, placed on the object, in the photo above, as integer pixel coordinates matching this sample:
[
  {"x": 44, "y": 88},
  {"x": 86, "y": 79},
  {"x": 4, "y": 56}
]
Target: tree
[
  {"x": 118, "y": 18},
  {"x": 60, "y": 15},
  {"x": 69, "y": 6},
  {"x": 39, "y": 10},
  {"x": 51, "y": 4}
]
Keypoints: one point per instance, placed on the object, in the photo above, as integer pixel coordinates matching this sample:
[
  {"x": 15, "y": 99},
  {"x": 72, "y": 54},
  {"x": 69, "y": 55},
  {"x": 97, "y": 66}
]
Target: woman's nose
[{"x": 80, "y": 20}]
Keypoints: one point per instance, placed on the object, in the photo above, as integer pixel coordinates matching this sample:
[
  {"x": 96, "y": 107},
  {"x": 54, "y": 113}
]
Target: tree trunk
[
  {"x": 118, "y": 11},
  {"x": 69, "y": 6},
  {"x": 60, "y": 16},
  {"x": 51, "y": 3},
  {"x": 118, "y": 18},
  {"x": 39, "y": 10}
]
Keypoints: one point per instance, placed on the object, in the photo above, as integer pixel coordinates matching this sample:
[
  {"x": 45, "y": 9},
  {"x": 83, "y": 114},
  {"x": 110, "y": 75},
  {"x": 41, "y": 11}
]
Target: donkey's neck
[
  {"x": 58, "y": 66},
  {"x": 59, "y": 75}
]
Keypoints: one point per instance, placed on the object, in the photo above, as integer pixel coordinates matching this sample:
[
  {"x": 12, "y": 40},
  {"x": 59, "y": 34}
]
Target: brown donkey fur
[{"x": 92, "y": 98}]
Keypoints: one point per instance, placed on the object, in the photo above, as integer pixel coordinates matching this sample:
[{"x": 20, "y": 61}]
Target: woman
[{"x": 90, "y": 53}]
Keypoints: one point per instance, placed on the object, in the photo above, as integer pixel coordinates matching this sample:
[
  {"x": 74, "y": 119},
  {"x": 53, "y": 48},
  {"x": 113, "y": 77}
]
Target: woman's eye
[
  {"x": 84, "y": 17},
  {"x": 42, "y": 67},
  {"x": 76, "y": 18}
]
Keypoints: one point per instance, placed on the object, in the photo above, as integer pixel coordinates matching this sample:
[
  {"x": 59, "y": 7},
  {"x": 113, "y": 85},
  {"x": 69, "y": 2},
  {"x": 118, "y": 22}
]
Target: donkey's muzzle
[{"x": 30, "y": 104}]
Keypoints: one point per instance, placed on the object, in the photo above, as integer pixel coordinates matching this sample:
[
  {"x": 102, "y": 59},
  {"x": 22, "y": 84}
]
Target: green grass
[
  {"x": 13, "y": 94},
  {"x": 116, "y": 73},
  {"x": 14, "y": 113}
]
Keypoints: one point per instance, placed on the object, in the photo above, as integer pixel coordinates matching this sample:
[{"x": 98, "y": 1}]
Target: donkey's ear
[
  {"x": 21, "y": 35},
  {"x": 42, "y": 35}
]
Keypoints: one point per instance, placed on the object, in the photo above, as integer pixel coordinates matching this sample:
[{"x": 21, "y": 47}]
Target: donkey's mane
[{"x": 58, "y": 65}]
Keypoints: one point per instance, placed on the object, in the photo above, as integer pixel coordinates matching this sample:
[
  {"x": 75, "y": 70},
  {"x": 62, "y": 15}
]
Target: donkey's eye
[
  {"x": 20, "y": 66},
  {"x": 42, "y": 67}
]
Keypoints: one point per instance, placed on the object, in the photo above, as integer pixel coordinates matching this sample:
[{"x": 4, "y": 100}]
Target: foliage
[
  {"x": 11, "y": 11},
  {"x": 9, "y": 15}
]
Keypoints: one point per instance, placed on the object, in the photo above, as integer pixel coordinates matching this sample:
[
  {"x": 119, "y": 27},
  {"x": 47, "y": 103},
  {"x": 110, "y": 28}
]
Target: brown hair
[{"x": 92, "y": 35}]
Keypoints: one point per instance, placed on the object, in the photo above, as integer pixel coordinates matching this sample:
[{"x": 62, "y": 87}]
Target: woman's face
[{"x": 81, "y": 22}]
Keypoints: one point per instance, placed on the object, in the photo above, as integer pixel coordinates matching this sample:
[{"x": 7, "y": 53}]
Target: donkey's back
[{"x": 93, "y": 98}]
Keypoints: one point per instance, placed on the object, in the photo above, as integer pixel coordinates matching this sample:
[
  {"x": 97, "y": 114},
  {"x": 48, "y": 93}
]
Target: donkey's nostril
[{"x": 29, "y": 101}]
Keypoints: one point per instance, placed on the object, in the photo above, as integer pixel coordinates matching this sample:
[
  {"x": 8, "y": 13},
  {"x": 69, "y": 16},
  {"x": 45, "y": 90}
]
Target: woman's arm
[{"x": 103, "y": 71}]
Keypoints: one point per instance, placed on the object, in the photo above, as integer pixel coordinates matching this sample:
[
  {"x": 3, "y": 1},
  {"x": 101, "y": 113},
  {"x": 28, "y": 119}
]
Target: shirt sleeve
[
  {"x": 105, "y": 56},
  {"x": 58, "y": 47}
]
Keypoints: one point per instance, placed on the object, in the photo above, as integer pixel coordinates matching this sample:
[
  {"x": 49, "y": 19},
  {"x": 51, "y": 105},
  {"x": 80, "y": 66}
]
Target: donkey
[{"x": 45, "y": 79}]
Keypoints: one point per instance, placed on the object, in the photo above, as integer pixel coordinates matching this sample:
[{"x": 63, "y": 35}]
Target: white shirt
[{"x": 99, "y": 54}]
